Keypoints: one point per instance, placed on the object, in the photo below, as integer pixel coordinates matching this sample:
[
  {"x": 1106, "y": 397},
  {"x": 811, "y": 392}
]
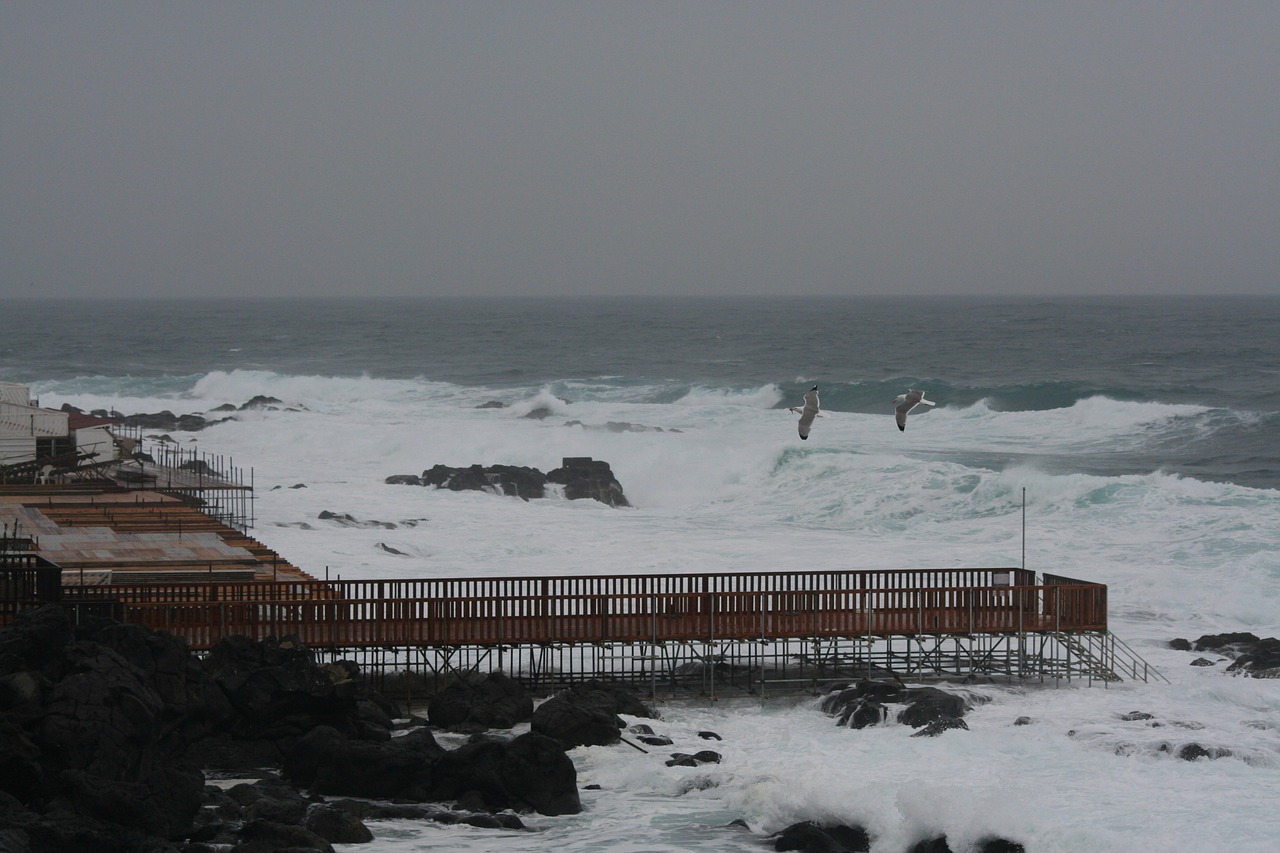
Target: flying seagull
[
  {"x": 904, "y": 403},
  {"x": 808, "y": 413}
]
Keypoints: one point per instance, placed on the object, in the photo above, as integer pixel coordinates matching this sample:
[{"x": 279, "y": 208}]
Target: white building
[{"x": 30, "y": 435}]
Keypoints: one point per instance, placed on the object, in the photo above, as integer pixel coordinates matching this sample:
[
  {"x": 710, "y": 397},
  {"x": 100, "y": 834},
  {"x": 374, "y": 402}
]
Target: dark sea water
[{"x": 1221, "y": 355}]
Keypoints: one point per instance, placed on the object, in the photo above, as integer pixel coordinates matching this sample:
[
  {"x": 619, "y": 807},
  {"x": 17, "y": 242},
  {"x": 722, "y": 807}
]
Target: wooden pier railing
[
  {"x": 604, "y": 609},
  {"x": 26, "y": 580}
]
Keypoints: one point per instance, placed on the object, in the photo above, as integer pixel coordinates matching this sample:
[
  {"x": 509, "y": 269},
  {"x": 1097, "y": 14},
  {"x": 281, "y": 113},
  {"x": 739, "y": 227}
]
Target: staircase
[{"x": 1105, "y": 656}]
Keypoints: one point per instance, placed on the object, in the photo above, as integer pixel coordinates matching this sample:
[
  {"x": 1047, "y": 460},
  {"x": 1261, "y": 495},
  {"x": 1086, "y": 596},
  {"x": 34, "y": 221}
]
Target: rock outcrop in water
[
  {"x": 810, "y": 837},
  {"x": 584, "y": 477},
  {"x": 866, "y": 703},
  {"x": 581, "y": 477},
  {"x": 191, "y": 421},
  {"x": 1249, "y": 655}
]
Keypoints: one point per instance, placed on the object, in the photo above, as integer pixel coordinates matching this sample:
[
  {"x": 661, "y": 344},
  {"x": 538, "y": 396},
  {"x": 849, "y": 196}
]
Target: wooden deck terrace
[
  {"x": 146, "y": 535},
  {"x": 668, "y": 608}
]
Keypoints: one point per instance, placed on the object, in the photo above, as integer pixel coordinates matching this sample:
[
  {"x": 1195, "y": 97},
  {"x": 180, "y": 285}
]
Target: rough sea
[{"x": 1144, "y": 433}]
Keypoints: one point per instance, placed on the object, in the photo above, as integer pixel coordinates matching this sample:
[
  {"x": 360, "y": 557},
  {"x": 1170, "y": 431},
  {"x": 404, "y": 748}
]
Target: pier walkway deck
[
  {"x": 160, "y": 559},
  {"x": 754, "y": 629}
]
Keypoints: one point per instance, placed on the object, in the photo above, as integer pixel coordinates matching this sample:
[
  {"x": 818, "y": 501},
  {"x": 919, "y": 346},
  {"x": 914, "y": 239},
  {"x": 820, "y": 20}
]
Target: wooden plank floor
[{"x": 135, "y": 532}]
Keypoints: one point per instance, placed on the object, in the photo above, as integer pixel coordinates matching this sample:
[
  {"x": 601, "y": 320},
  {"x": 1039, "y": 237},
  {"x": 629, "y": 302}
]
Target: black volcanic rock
[
  {"x": 193, "y": 705},
  {"x": 327, "y": 763},
  {"x": 104, "y": 729},
  {"x": 261, "y": 401},
  {"x": 865, "y": 704},
  {"x": 1228, "y": 642},
  {"x": 100, "y": 729},
  {"x": 530, "y": 772},
  {"x": 493, "y": 701},
  {"x": 581, "y": 477},
  {"x": 1260, "y": 661},
  {"x": 587, "y": 715},
  {"x": 929, "y": 704},
  {"x": 93, "y": 752},
  {"x": 510, "y": 480},
  {"x": 167, "y": 420},
  {"x": 1251, "y": 655},
  {"x": 935, "y": 727},
  {"x": 810, "y": 837},
  {"x": 279, "y": 693},
  {"x": 335, "y": 825},
  {"x": 584, "y": 477}
]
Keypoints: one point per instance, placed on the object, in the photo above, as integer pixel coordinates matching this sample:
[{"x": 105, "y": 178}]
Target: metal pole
[
  {"x": 653, "y": 649},
  {"x": 711, "y": 607}
]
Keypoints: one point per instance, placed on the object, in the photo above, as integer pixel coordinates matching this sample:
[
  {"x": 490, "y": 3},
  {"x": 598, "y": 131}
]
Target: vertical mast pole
[{"x": 1024, "y": 528}]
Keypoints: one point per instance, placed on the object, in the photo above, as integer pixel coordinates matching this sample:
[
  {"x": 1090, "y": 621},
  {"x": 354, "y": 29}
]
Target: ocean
[{"x": 1144, "y": 434}]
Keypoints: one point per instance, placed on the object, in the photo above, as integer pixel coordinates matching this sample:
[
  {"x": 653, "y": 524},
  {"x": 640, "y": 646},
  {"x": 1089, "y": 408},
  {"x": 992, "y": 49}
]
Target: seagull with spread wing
[
  {"x": 807, "y": 413},
  {"x": 904, "y": 403}
]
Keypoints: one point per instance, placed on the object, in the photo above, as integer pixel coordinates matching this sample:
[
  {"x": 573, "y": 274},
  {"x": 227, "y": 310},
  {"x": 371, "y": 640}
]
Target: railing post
[
  {"x": 379, "y": 606},
  {"x": 711, "y": 611}
]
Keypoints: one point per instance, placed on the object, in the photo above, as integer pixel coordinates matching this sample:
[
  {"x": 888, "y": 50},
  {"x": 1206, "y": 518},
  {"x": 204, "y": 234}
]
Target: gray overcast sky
[{"x": 422, "y": 148}]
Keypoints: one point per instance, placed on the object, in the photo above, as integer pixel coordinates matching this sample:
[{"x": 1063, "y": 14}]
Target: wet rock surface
[
  {"x": 581, "y": 477},
  {"x": 1249, "y": 654},
  {"x": 110, "y": 732}
]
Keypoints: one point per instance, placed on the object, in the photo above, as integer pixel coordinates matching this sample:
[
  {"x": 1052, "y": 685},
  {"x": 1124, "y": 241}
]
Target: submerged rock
[
  {"x": 936, "y": 727},
  {"x": 865, "y": 704},
  {"x": 811, "y": 837},
  {"x": 683, "y": 759}
]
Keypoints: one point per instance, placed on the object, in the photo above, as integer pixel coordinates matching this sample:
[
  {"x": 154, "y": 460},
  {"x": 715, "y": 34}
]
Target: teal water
[{"x": 1221, "y": 355}]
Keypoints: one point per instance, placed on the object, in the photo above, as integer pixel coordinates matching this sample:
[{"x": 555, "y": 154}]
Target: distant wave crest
[{"x": 764, "y": 397}]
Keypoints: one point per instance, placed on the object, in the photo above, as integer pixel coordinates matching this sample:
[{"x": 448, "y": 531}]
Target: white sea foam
[
  {"x": 764, "y": 397},
  {"x": 720, "y": 483}
]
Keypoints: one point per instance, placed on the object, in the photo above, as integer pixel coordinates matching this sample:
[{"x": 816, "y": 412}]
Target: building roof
[{"x": 79, "y": 420}]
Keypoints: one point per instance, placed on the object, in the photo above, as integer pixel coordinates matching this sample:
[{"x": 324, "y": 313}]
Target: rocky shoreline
[
  {"x": 110, "y": 733},
  {"x": 116, "y": 739},
  {"x": 113, "y": 739}
]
